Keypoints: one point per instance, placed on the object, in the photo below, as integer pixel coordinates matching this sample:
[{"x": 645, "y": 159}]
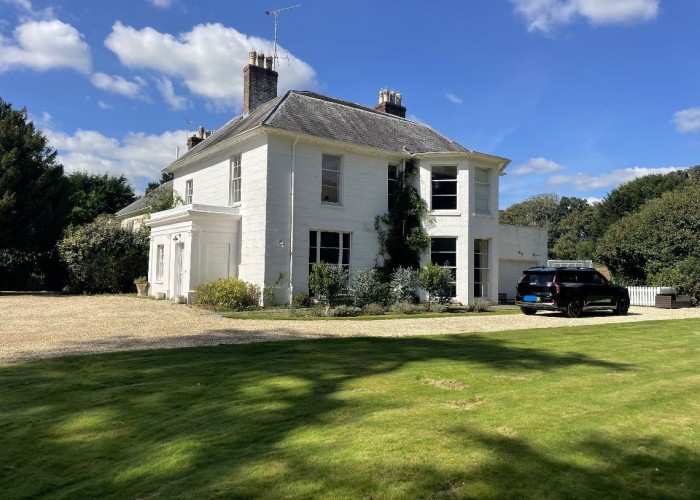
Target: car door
[{"x": 598, "y": 292}]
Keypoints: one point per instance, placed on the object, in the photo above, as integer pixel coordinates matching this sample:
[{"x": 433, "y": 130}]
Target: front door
[{"x": 179, "y": 268}]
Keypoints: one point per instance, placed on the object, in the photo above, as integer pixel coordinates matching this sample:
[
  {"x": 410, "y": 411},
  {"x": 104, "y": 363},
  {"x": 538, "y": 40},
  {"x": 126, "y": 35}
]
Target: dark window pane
[
  {"x": 346, "y": 257},
  {"x": 444, "y": 172},
  {"x": 330, "y": 239},
  {"x": 329, "y": 194},
  {"x": 442, "y": 188},
  {"x": 329, "y": 255},
  {"x": 346, "y": 240},
  {"x": 331, "y": 162},
  {"x": 444, "y": 203},
  {"x": 443, "y": 244},
  {"x": 443, "y": 259},
  {"x": 312, "y": 238}
]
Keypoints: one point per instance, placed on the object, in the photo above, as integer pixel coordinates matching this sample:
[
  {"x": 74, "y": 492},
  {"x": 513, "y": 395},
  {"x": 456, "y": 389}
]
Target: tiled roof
[
  {"x": 145, "y": 202},
  {"x": 318, "y": 115}
]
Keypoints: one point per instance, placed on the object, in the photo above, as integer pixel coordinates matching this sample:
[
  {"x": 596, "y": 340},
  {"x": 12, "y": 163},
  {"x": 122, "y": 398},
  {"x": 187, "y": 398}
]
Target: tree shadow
[{"x": 231, "y": 421}]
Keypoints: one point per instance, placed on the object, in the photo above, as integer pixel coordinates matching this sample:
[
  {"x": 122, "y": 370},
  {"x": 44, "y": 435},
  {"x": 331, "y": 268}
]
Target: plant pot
[{"x": 141, "y": 289}]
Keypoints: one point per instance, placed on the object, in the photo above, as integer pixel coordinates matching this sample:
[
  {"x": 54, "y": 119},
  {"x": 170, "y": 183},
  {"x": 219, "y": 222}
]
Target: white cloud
[
  {"x": 592, "y": 200},
  {"x": 163, "y": 4},
  {"x": 687, "y": 120},
  {"x": 209, "y": 59},
  {"x": 453, "y": 98},
  {"x": 28, "y": 11},
  {"x": 165, "y": 87},
  {"x": 544, "y": 15},
  {"x": 118, "y": 85},
  {"x": 415, "y": 118},
  {"x": 104, "y": 105},
  {"x": 537, "y": 166},
  {"x": 139, "y": 156},
  {"x": 586, "y": 182},
  {"x": 44, "y": 45}
]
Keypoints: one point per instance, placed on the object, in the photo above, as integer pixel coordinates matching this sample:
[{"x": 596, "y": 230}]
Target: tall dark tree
[
  {"x": 95, "y": 194},
  {"x": 34, "y": 194},
  {"x": 34, "y": 200},
  {"x": 165, "y": 177}
]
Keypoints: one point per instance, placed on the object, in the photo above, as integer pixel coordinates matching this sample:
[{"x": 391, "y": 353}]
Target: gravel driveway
[{"x": 43, "y": 326}]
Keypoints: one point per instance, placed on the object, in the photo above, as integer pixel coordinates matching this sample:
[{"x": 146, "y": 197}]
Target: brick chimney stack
[
  {"x": 196, "y": 139},
  {"x": 390, "y": 102},
  {"x": 259, "y": 81}
]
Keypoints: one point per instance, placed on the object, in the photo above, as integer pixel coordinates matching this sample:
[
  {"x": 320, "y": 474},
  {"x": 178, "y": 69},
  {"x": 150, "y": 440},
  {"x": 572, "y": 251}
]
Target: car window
[
  {"x": 566, "y": 277},
  {"x": 537, "y": 278},
  {"x": 597, "y": 278}
]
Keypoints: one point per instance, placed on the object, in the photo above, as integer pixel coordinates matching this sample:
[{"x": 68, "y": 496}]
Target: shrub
[
  {"x": 684, "y": 277},
  {"x": 101, "y": 257},
  {"x": 404, "y": 308},
  {"x": 228, "y": 293},
  {"x": 365, "y": 287},
  {"x": 438, "y": 308},
  {"x": 374, "y": 310},
  {"x": 437, "y": 281},
  {"x": 327, "y": 282},
  {"x": 478, "y": 306},
  {"x": 404, "y": 283},
  {"x": 345, "y": 311},
  {"x": 300, "y": 300}
]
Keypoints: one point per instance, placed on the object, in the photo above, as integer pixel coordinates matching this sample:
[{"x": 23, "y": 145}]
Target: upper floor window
[
  {"x": 443, "y": 187},
  {"x": 482, "y": 191},
  {"x": 392, "y": 185},
  {"x": 235, "y": 180},
  {"x": 331, "y": 179},
  {"x": 189, "y": 189}
]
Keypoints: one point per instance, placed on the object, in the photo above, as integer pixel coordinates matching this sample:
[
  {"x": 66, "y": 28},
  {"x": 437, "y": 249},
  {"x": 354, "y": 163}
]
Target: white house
[{"x": 299, "y": 178}]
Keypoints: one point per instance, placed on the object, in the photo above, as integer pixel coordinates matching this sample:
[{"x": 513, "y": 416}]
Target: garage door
[{"x": 509, "y": 273}]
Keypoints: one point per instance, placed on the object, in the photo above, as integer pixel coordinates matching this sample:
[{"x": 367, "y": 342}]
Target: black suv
[{"x": 571, "y": 290}]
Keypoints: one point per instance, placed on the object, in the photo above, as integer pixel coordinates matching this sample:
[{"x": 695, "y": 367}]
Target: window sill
[
  {"x": 478, "y": 214},
  {"x": 448, "y": 213},
  {"x": 336, "y": 206}
]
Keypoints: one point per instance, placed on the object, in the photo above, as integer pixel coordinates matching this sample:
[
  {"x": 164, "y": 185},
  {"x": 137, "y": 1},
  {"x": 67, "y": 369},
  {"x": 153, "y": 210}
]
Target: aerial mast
[{"x": 276, "y": 13}]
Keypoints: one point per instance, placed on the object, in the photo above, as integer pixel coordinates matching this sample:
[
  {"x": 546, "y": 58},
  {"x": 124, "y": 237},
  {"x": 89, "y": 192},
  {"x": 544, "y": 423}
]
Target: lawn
[
  {"x": 582, "y": 412},
  {"x": 317, "y": 314}
]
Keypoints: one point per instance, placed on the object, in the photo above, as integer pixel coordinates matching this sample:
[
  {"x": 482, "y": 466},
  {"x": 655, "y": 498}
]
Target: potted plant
[{"x": 141, "y": 285}]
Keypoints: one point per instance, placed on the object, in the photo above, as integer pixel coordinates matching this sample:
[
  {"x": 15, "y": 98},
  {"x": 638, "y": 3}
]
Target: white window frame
[
  {"x": 160, "y": 263},
  {"x": 432, "y": 183},
  {"x": 482, "y": 204},
  {"x": 339, "y": 202},
  {"x": 481, "y": 288},
  {"x": 189, "y": 191},
  {"x": 315, "y": 253},
  {"x": 452, "y": 265},
  {"x": 235, "y": 180}
]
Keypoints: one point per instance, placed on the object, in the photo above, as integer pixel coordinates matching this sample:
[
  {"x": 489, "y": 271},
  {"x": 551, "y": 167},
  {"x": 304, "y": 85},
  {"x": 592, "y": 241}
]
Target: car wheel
[
  {"x": 623, "y": 305},
  {"x": 574, "y": 308},
  {"x": 528, "y": 311}
]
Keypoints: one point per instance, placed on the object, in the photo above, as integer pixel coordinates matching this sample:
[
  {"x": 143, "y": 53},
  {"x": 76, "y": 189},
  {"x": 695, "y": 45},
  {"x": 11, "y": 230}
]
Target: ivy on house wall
[{"x": 402, "y": 234}]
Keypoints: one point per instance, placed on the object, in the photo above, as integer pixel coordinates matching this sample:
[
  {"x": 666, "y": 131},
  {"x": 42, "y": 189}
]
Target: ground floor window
[
  {"x": 443, "y": 252},
  {"x": 330, "y": 247},
  {"x": 160, "y": 262},
  {"x": 481, "y": 268}
]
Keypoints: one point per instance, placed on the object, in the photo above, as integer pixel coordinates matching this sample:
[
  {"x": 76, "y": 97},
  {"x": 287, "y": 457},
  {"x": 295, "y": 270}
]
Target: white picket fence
[{"x": 646, "y": 295}]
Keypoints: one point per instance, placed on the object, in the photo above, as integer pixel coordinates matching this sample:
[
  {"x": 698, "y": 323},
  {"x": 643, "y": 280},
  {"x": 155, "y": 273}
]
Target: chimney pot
[
  {"x": 261, "y": 59},
  {"x": 201, "y": 131},
  {"x": 268, "y": 62},
  {"x": 390, "y": 102},
  {"x": 252, "y": 56}
]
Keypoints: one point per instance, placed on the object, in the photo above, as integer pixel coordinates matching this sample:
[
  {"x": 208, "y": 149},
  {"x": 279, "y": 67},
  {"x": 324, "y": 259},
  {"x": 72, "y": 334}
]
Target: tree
[
  {"x": 165, "y": 177},
  {"x": 662, "y": 233},
  {"x": 102, "y": 257},
  {"x": 403, "y": 238},
  {"x": 546, "y": 211},
  {"x": 95, "y": 194},
  {"x": 629, "y": 197},
  {"x": 575, "y": 241},
  {"x": 437, "y": 281},
  {"x": 34, "y": 200},
  {"x": 34, "y": 194}
]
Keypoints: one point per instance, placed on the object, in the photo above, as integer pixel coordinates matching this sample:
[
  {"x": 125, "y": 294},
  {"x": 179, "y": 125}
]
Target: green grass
[
  {"x": 584, "y": 412},
  {"x": 311, "y": 315}
]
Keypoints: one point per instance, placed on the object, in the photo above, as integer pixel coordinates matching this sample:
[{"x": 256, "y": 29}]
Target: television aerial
[{"x": 276, "y": 13}]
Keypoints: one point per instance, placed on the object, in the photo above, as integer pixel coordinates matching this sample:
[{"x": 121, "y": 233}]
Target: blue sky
[{"x": 581, "y": 95}]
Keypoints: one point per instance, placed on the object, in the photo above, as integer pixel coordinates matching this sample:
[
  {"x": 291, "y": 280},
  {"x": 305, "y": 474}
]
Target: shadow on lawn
[{"x": 231, "y": 420}]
